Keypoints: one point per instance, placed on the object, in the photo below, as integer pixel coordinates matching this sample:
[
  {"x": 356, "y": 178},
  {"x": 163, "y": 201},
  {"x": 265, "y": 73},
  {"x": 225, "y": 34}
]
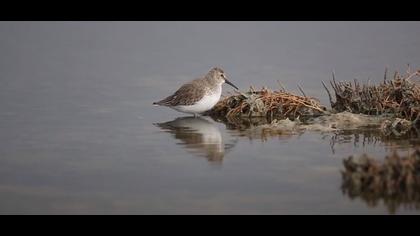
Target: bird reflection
[{"x": 199, "y": 136}]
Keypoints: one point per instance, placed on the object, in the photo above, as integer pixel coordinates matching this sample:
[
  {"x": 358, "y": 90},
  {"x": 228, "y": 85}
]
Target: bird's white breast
[{"x": 205, "y": 104}]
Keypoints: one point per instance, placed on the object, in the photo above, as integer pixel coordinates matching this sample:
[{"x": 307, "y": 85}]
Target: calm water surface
[{"x": 79, "y": 134}]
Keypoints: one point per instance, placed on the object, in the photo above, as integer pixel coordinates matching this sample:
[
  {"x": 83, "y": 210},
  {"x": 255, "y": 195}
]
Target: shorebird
[{"x": 199, "y": 95}]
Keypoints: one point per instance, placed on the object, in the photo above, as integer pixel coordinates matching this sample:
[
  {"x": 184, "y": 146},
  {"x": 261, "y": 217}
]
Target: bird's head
[{"x": 219, "y": 75}]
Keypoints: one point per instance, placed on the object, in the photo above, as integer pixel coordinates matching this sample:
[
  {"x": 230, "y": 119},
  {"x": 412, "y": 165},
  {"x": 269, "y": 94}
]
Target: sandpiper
[{"x": 199, "y": 95}]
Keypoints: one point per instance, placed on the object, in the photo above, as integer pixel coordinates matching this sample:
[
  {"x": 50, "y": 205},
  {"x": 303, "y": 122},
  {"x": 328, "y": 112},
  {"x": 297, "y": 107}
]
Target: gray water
[{"x": 79, "y": 134}]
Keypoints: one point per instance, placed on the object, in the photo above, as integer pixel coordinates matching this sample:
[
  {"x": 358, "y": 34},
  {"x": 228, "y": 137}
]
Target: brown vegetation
[
  {"x": 399, "y": 96},
  {"x": 268, "y": 104}
]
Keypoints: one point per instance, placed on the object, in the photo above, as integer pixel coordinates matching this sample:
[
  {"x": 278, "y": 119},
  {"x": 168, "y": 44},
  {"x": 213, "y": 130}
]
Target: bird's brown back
[{"x": 187, "y": 94}]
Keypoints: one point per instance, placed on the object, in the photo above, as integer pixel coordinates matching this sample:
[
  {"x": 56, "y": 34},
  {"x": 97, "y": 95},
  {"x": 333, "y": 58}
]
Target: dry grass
[
  {"x": 399, "y": 96},
  {"x": 268, "y": 104}
]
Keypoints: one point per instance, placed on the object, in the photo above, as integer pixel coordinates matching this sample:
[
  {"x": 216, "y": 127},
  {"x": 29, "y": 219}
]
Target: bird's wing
[{"x": 187, "y": 94}]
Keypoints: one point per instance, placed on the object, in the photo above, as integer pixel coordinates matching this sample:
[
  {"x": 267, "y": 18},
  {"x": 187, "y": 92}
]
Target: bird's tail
[{"x": 164, "y": 102}]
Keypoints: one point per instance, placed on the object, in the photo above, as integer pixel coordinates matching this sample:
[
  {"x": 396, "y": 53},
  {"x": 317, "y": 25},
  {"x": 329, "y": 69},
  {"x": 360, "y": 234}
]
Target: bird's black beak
[{"x": 228, "y": 82}]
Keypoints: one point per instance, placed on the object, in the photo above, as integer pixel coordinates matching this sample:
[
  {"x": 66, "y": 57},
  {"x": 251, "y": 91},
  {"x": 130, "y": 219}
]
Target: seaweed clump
[
  {"x": 268, "y": 104},
  {"x": 396, "y": 181}
]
